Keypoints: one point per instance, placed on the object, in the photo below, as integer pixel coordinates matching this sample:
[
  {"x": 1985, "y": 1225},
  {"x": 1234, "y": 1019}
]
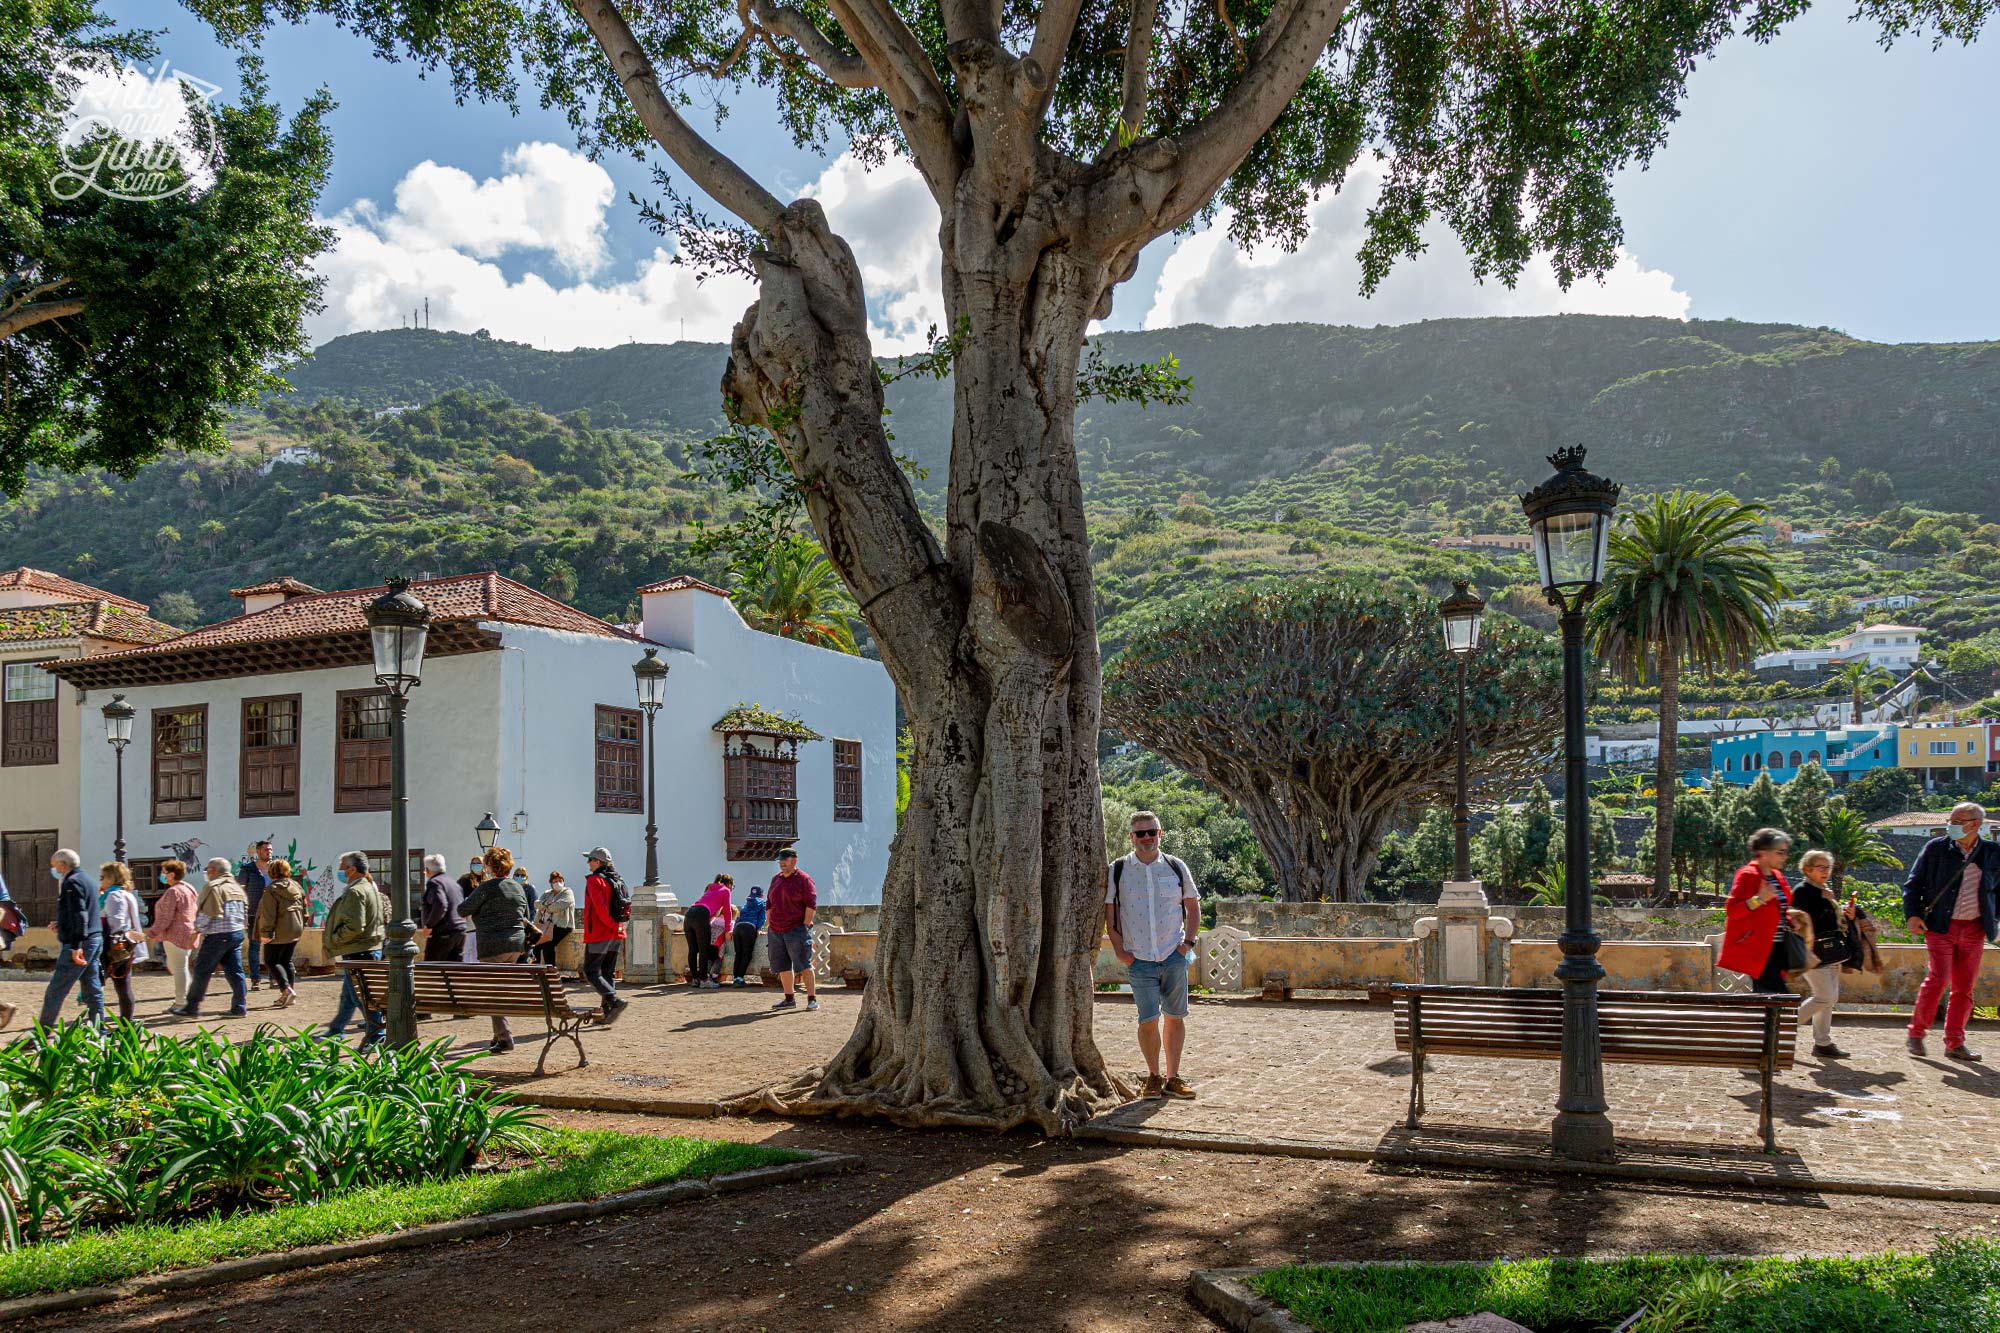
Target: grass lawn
[
  {"x": 577, "y": 1164},
  {"x": 1953, "y": 1289}
]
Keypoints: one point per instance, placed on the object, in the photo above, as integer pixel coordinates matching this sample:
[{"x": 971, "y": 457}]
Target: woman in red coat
[{"x": 1759, "y": 905}]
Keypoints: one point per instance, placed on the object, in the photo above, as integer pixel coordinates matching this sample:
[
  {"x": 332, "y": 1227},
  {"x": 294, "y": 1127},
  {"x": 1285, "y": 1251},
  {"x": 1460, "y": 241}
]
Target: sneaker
[
  {"x": 500, "y": 1048},
  {"x": 1829, "y": 1051},
  {"x": 812, "y": 1004},
  {"x": 1916, "y": 1046},
  {"x": 1177, "y": 1087},
  {"x": 1155, "y": 1086},
  {"x": 739, "y": 982},
  {"x": 787, "y": 1003},
  {"x": 7, "y": 1012},
  {"x": 609, "y": 1012},
  {"x": 237, "y": 1013},
  {"x": 1961, "y": 1053},
  {"x": 367, "y": 1044}
]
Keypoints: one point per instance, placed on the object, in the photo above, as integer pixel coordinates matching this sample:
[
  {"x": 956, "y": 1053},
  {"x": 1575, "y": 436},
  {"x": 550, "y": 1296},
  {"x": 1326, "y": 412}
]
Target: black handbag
[{"x": 1792, "y": 953}]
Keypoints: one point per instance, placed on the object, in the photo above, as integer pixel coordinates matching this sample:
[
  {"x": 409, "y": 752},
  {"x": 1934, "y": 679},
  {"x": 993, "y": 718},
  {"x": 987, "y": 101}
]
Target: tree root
[{"x": 1058, "y": 1108}]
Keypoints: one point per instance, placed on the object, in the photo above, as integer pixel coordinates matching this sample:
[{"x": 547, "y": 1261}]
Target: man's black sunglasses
[{"x": 1145, "y": 833}]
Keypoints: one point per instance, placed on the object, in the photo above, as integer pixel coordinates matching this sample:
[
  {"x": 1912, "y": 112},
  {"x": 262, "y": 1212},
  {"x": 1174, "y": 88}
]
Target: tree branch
[
  {"x": 911, "y": 82},
  {"x": 1138, "y": 65},
  {"x": 843, "y": 67},
  {"x": 1052, "y": 33},
  {"x": 25, "y": 314},
  {"x": 714, "y": 171}
]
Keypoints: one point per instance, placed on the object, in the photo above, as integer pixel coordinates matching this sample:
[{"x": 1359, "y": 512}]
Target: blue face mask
[{"x": 56, "y": 873}]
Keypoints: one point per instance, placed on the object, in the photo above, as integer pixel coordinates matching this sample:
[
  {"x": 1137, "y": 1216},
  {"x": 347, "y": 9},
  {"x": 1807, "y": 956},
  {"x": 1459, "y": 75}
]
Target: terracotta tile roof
[
  {"x": 100, "y": 620},
  {"x": 287, "y": 585},
  {"x": 40, "y": 580},
  {"x": 679, "y": 582},
  {"x": 328, "y": 629}
]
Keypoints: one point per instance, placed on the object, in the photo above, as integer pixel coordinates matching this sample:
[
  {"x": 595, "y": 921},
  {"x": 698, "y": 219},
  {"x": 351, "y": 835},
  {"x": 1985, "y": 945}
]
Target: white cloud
[
  {"x": 1209, "y": 280},
  {"x": 446, "y": 229}
]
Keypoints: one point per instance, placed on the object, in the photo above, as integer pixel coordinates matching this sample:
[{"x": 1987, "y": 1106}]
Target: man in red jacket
[{"x": 791, "y": 900}]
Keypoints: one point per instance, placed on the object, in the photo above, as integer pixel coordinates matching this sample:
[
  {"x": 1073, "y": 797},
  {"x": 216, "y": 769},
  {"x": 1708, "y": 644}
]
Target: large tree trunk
[
  {"x": 1666, "y": 774},
  {"x": 1288, "y": 831},
  {"x": 979, "y": 1011}
]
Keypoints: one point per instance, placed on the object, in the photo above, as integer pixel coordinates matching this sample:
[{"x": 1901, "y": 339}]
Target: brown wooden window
[
  {"x": 146, "y": 881},
  {"x": 27, "y": 715},
  {"x": 270, "y": 770},
  {"x": 180, "y": 764},
  {"x": 618, "y": 786},
  {"x": 378, "y": 870},
  {"x": 847, "y": 782},
  {"x": 361, "y": 758},
  {"x": 760, "y": 799}
]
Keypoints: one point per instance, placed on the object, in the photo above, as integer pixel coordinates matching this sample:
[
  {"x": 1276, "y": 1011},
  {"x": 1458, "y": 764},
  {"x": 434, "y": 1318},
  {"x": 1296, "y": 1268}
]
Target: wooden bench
[
  {"x": 1634, "y": 1027},
  {"x": 483, "y": 990}
]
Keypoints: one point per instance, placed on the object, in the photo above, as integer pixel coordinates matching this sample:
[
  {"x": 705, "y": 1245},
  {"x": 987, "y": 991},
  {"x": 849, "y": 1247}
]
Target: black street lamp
[
  {"x": 1462, "y": 613},
  {"x": 398, "y": 625},
  {"x": 118, "y": 717},
  {"x": 650, "y": 674},
  {"x": 487, "y": 831},
  {"x": 1570, "y": 516}
]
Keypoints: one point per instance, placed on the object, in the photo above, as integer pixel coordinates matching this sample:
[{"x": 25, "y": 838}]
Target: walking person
[
  {"x": 356, "y": 925},
  {"x": 12, "y": 926},
  {"x": 221, "y": 918},
  {"x": 1758, "y": 914},
  {"x": 1152, "y": 911},
  {"x": 706, "y": 925},
  {"x": 790, "y": 904},
  {"x": 555, "y": 918},
  {"x": 254, "y": 875},
  {"x": 79, "y": 940},
  {"x": 1832, "y": 948},
  {"x": 498, "y": 910},
  {"x": 1950, "y": 903},
  {"x": 441, "y": 915},
  {"x": 607, "y": 906},
  {"x": 744, "y": 945},
  {"x": 173, "y": 927},
  {"x": 278, "y": 924},
  {"x": 124, "y": 931}
]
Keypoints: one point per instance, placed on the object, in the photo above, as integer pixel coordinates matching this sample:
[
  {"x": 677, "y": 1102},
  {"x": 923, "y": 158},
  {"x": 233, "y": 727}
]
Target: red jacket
[
  {"x": 597, "y": 922},
  {"x": 1748, "y": 934}
]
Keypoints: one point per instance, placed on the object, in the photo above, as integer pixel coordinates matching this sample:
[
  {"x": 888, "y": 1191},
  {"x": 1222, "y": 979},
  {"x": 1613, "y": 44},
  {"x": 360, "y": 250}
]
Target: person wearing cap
[
  {"x": 603, "y": 932},
  {"x": 748, "y": 923},
  {"x": 790, "y": 903}
]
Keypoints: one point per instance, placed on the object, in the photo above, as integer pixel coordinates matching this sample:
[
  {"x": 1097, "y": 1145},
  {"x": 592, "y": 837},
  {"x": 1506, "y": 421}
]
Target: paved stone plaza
[{"x": 1321, "y": 1075}]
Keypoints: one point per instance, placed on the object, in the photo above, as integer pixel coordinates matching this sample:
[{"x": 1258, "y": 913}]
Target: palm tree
[
  {"x": 1853, "y": 843},
  {"x": 1689, "y": 583},
  {"x": 797, "y": 594},
  {"x": 1859, "y": 678}
]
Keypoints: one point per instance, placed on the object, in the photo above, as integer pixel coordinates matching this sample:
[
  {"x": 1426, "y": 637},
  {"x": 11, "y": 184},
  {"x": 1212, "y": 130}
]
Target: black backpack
[{"x": 618, "y": 906}]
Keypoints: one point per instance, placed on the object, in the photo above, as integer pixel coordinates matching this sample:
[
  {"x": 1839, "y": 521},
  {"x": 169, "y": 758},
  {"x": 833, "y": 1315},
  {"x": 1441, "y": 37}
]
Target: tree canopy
[
  {"x": 129, "y": 325},
  {"x": 1325, "y": 710}
]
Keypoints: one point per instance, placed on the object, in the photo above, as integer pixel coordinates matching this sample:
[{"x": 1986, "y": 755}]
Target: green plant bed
[
  {"x": 571, "y": 1165},
  {"x": 1953, "y": 1289}
]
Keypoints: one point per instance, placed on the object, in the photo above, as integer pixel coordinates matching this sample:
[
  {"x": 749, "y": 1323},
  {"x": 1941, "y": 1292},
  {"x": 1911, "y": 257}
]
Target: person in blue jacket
[{"x": 749, "y": 920}]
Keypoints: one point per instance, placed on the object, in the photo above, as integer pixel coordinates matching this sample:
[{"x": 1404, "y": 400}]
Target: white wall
[{"x": 552, "y": 683}]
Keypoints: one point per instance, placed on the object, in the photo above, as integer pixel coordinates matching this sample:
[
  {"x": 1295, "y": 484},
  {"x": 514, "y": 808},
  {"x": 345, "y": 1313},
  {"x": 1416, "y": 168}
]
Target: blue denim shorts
[{"x": 1160, "y": 986}]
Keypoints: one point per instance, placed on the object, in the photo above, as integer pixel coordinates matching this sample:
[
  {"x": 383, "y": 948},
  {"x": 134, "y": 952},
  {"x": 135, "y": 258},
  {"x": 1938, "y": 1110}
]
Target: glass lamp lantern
[
  {"x": 118, "y": 717},
  {"x": 398, "y": 625},
  {"x": 487, "y": 831},
  {"x": 1462, "y": 613},
  {"x": 651, "y": 675},
  {"x": 1570, "y": 517}
]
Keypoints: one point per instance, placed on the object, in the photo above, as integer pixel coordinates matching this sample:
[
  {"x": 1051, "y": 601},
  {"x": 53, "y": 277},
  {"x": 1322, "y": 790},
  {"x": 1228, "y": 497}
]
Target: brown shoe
[
  {"x": 1177, "y": 1087},
  {"x": 1961, "y": 1053},
  {"x": 1915, "y": 1045},
  {"x": 1155, "y": 1086},
  {"x": 7, "y": 1012}
]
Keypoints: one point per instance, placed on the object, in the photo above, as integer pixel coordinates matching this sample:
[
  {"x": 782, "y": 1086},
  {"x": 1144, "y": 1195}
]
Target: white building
[
  {"x": 1896, "y": 647},
  {"x": 1894, "y": 601},
  {"x": 270, "y": 723},
  {"x": 295, "y": 455}
]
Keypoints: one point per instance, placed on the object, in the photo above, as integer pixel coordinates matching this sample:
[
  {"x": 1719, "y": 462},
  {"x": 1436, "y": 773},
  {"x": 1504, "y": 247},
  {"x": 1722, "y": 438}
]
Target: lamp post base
[{"x": 1582, "y": 1136}]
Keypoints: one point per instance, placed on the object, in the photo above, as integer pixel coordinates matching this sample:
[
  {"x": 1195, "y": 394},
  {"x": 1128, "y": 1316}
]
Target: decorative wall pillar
[
  {"x": 649, "y": 934},
  {"x": 1464, "y": 944}
]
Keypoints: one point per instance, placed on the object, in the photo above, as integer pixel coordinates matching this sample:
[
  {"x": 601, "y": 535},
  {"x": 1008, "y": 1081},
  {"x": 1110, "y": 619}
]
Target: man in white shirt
[{"x": 1154, "y": 918}]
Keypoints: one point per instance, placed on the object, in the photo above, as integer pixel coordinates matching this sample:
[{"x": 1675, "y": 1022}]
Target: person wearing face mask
[
  {"x": 79, "y": 940},
  {"x": 1950, "y": 903},
  {"x": 356, "y": 925},
  {"x": 1833, "y": 947}
]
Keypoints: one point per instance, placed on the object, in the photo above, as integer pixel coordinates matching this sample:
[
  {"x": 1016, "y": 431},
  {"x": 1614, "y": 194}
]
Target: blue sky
[{"x": 1817, "y": 180}]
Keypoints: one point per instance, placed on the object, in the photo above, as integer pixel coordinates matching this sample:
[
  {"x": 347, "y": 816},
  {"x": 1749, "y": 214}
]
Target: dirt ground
[{"x": 945, "y": 1231}]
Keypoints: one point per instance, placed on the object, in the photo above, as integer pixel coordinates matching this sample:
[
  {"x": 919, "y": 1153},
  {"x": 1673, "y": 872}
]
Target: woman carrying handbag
[
  {"x": 1757, "y": 935},
  {"x": 1835, "y": 944}
]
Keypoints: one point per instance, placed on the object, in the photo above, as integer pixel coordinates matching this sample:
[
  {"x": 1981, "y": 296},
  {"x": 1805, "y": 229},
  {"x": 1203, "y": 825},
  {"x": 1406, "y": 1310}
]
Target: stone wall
[{"x": 1398, "y": 920}]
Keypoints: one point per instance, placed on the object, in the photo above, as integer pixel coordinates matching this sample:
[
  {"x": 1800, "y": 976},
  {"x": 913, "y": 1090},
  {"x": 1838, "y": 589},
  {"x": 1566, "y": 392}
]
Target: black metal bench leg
[
  {"x": 1416, "y": 1085},
  {"x": 1770, "y": 1137},
  {"x": 1768, "y": 1072},
  {"x": 547, "y": 1041},
  {"x": 576, "y": 1035}
]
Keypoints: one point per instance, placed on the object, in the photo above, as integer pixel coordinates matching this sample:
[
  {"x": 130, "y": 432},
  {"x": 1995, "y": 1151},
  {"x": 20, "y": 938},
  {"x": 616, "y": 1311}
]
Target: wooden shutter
[
  {"x": 847, "y": 782},
  {"x": 180, "y": 764},
  {"x": 362, "y": 758},
  {"x": 27, "y": 716},
  {"x": 618, "y": 760},
  {"x": 270, "y": 767},
  {"x": 760, "y": 796},
  {"x": 25, "y": 857}
]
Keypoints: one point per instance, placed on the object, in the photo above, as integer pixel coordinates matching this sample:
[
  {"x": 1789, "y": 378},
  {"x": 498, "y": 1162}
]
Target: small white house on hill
[{"x": 270, "y": 723}]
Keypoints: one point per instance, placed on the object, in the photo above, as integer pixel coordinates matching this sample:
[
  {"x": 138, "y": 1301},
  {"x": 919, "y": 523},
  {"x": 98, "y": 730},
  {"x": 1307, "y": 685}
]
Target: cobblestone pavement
[{"x": 1311, "y": 1072}]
